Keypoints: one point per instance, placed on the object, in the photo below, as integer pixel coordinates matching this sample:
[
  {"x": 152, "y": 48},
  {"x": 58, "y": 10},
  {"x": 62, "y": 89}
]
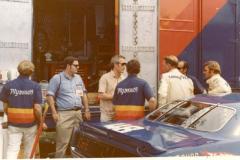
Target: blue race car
[{"x": 202, "y": 126}]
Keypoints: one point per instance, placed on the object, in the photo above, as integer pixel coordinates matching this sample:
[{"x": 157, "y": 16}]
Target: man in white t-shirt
[
  {"x": 173, "y": 85},
  {"x": 216, "y": 84}
]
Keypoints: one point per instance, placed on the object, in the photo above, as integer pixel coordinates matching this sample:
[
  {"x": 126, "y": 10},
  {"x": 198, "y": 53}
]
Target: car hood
[{"x": 159, "y": 136}]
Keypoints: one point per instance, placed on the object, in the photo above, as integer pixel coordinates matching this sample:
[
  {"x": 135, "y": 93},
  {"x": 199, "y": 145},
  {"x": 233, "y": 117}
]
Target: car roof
[{"x": 226, "y": 99}]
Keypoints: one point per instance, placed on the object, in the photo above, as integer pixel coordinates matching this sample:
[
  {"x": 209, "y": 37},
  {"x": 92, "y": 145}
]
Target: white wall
[{"x": 16, "y": 33}]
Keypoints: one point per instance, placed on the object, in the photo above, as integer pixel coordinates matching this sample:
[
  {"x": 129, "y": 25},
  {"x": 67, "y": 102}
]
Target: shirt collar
[
  {"x": 23, "y": 77},
  {"x": 174, "y": 70},
  {"x": 67, "y": 76},
  {"x": 212, "y": 78},
  {"x": 114, "y": 75},
  {"x": 132, "y": 76}
]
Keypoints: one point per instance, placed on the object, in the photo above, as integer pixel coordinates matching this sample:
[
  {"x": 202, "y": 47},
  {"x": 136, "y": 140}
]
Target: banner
[{"x": 138, "y": 36}]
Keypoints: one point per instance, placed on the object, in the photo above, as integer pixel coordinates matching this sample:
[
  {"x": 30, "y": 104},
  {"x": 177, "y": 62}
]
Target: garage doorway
[{"x": 81, "y": 28}]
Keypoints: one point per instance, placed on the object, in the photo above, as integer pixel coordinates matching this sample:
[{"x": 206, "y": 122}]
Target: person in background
[
  {"x": 183, "y": 68},
  {"x": 216, "y": 83},
  {"x": 131, "y": 93},
  {"x": 69, "y": 92},
  {"x": 107, "y": 85},
  {"x": 173, "y": 84},
  {"x": 22, "y": 100}
]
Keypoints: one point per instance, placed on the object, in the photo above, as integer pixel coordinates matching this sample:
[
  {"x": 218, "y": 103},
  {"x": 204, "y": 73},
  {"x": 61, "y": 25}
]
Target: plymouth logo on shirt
[
  {"x": 127, "y": 90},
  {"x": 16, "y": 92}
]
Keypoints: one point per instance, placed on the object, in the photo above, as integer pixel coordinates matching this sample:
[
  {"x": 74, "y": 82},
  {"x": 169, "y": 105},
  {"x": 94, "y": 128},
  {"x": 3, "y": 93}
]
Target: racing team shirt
[
  {"x": 173, "y": 86},
  {"x": 68, "y": 91},
  {"x": 218, "y": 85},
  {"x": 21, "y": 94},
  {"x": 129, "y": 98}
]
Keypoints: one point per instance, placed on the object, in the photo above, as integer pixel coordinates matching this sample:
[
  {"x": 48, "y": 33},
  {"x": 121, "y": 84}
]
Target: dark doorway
[{"x": 81, "y": 28}]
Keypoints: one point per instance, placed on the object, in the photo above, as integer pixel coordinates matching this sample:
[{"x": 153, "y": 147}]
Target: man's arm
[
  {"x": 51, "y": 103},
  {"x": 152, "y": 103},
  {"x": 86, "y": 107},
  {"x": 105, "y": 96},
  {"x": 163, "y": 91},
  {"x": 53, "y": 88},
  {"x": 38, "y": 112},
  {"x": 102, "y": 89},
  {"x": 148, "y": 93},
  {"x": 5, "y": 107}
]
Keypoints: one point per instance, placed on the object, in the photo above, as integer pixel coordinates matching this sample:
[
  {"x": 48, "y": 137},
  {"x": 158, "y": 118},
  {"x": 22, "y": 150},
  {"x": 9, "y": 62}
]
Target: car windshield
[{"x": 194, "y": 115}]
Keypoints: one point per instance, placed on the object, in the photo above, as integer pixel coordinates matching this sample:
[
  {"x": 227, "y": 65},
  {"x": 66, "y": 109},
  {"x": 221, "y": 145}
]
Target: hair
[
  {"x": 133, "y": 66},
  {"x": 115, "y": 59},
  {"x": 213, "y": 65},
  {"x": 69, "y": 60},
  {"x": 172, "y": 60},
  {"x": 26, "y": 68},
  {"x": 185, "y": 64}
]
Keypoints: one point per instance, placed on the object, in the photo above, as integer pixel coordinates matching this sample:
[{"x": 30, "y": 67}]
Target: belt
[{"x": 75, "y": 108}]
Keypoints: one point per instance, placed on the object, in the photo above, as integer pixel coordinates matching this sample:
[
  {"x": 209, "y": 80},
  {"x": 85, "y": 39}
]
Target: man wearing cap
[
  {"x": 216, "y": 83},
  {"x": 173, "y": 84}
]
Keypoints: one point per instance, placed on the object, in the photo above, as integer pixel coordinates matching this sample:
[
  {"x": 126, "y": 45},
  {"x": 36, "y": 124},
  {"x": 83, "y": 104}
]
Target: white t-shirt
[
  {"x": 173, "y": 86},
  {"x": 217, "y": 85}
]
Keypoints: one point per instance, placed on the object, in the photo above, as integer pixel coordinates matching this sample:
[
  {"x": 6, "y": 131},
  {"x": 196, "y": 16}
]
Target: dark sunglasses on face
[
  {"x": 75, "y": 65},
  {"x": 122, "y": 64}
]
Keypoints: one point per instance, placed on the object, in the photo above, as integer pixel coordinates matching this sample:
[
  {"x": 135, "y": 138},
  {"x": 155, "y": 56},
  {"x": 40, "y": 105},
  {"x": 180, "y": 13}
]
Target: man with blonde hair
[
  {"x": 107, "y": 85},
  {"x": 216, "y": 83},
  {"x": 21, "y": 99},
  {"x": 173, "y": 84}
]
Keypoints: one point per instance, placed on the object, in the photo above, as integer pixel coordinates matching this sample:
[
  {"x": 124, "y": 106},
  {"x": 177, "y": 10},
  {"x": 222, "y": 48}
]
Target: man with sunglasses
[
  {"x": 107, "y": 85},
  {"x": 68, "y": 91},
  {"x": 183, "y": 68}
]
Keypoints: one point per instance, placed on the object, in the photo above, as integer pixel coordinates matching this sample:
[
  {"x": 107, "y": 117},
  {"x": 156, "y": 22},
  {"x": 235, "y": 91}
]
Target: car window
[
  {"x": 194, "y": 115},
  {"x": 213, "y": 120}
]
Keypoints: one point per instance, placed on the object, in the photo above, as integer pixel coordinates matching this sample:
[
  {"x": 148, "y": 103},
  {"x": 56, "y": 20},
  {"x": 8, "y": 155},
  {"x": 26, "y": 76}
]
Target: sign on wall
[
  {"x": 16, "y": 33},
  {"x": 138, "y": 36}
]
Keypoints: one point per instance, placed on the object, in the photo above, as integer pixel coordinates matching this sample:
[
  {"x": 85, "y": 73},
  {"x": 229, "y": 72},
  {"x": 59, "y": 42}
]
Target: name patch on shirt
[
  {"x": 178, "y": 77},
  {"x": 127, "y": 90},
  {"x": 16, "y": 92}
]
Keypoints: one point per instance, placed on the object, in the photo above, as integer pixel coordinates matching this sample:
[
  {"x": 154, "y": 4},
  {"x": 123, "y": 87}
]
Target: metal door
[{"x": 220, "y": 37}]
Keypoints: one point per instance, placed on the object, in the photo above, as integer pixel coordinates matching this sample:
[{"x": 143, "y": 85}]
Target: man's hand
[
  {"x": 44, "y": 126},
  {"x": 87, "y": 115},
  {"x": 55, "y": 117}
]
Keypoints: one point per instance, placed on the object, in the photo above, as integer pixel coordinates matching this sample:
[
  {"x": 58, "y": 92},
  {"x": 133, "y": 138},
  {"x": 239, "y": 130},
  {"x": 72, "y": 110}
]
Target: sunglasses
[
  {"x": 122, "y": 64},
  {"x": 180, "y": 68},
  {"x": 75, "y": 65}
]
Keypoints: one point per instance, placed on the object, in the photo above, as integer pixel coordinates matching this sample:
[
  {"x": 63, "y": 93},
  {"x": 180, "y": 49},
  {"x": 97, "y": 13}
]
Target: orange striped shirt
[{"x": 128, "y": 112}]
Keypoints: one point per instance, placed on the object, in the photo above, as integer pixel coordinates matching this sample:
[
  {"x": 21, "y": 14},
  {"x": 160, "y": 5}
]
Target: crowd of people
[{"x": 121, "y": 98}]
